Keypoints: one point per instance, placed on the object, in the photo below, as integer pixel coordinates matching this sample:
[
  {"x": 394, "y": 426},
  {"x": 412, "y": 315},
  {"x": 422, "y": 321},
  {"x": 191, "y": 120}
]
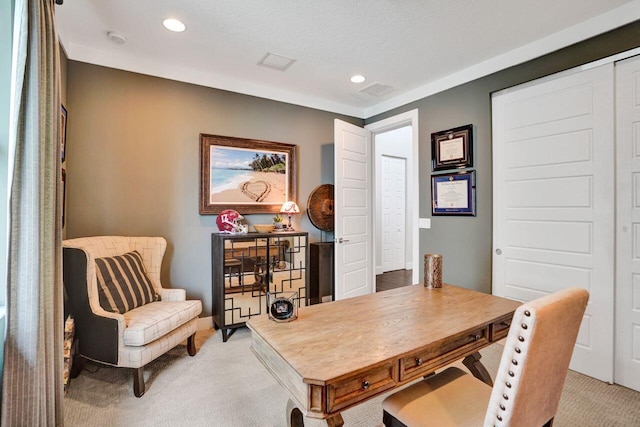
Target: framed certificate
[
  {"x": 454, "y": 194},
  {"x": 452, "y": 149}
]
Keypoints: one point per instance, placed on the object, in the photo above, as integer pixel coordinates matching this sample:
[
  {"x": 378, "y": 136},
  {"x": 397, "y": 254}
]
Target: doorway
[
  {"x": 392, "y": 212},
  {"x": 396, "y": 140},
  {"x": 355, "y": 200}
]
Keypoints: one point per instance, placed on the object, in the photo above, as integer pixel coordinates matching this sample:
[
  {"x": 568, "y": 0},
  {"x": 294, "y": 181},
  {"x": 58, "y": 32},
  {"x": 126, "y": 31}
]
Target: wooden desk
[{"x": 339, "y": 354}]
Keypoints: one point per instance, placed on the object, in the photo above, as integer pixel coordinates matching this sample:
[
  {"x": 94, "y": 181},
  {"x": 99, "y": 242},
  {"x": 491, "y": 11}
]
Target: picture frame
[
  {"x": 63, "y": 133},
  {"x": 454, "y": 194},
  {"x": 64, "y": 195},
  {"x": 452, "y": 148},
  {"x": 247, "y": 175}
]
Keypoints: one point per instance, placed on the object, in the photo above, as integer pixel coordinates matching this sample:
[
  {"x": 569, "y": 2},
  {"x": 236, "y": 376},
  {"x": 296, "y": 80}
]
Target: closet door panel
[
  {"x": 553, "y": 192},
  {"x": 627, "y": 335}
]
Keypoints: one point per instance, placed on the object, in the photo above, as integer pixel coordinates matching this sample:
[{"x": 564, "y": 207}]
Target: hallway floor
[{"x": 393, "y": 279}]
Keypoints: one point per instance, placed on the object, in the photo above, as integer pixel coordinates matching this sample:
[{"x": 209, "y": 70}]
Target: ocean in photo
[{"x": 228, "y": 179}]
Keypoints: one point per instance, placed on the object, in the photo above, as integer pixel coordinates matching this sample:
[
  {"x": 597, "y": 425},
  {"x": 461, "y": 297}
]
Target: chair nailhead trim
[
  {"x": 499, "y": 418},
  {"x": 503, "y": 408},
  {"x": 527, "y": 313},
  {"x": 521, "y": 338},
  {"x": 514, "y": 361},
  {"x": 524, "y": 326},
  {"x": 505, "y": 397},
  {"x": 508, "y": 384},
  {"x": 511, "y": 374},
  {"x": 518, "y": 350}
]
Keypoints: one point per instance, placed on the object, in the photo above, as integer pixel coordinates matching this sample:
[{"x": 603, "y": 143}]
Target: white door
[
  {"x": 353, "y": 211},
  {"x": 627, "y": 336},
  {"x": 393, "y": 213},
  {"x": 553, "y": 195}
]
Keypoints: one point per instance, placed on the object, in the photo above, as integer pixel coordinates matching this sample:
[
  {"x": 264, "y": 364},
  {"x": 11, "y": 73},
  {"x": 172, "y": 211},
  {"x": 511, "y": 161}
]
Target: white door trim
[{"x": 409, "y": 118}]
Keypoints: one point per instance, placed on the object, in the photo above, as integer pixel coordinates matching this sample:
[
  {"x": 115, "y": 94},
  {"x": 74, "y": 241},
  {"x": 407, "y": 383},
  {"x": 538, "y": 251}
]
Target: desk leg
[
  {"x": 472, "y": 362},
  {"x": 295, "y": 418}
]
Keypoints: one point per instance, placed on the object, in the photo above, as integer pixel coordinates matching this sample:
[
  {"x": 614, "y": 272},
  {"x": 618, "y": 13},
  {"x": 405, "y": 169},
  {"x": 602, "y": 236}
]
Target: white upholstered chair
[
  {"x": 137, "y": 336},
  {"x": 528, "y": 384}
]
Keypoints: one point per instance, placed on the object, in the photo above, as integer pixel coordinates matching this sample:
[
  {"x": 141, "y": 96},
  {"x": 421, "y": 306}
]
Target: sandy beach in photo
[{"x": 259, "y": 187}]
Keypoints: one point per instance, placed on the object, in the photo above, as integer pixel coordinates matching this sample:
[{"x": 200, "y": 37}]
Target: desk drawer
[
  {"x": 435, "y": 356},
  {"x": 355, "y": 388},
  {"x": 500, "y": 328}
]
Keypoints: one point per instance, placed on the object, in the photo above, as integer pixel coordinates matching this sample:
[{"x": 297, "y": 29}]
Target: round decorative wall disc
[{"x": 320, "y": 207}]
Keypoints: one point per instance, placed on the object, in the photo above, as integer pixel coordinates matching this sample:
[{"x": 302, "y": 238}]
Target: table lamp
[{"x": 289, "y": 208}]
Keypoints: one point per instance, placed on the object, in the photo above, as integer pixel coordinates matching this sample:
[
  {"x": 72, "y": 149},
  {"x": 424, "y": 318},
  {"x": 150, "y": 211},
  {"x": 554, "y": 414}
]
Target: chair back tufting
[{"x": 535, "y": 360}]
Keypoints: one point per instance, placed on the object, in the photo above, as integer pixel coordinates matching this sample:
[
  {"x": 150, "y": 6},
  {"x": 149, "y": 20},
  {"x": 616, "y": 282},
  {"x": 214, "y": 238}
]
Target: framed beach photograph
[
  {"x": 452, "y": 148},
  {"x": 247, "y": 175},
  {"x": 454, "y": 194}
]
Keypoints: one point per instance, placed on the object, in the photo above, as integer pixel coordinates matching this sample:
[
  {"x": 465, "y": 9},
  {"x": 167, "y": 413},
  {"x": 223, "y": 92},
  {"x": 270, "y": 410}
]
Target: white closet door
[
  {"x": 627, "y": 337},
  {"x": 553, "y": 190},
  {"x": 394, "y": 213}
]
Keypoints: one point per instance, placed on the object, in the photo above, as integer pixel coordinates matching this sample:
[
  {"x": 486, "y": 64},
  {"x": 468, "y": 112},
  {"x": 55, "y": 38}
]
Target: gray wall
[
  {"x": 133, "y": 160},
  {"x": 465, "y": 243}
]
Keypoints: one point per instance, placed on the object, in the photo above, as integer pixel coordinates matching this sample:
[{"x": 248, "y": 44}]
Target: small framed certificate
[
  {"x": 454, "y": 194},
  {"x": 452, "y": 149}
]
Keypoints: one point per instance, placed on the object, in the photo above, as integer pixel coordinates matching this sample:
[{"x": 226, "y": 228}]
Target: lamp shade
[{"x": 289, "y": 208}]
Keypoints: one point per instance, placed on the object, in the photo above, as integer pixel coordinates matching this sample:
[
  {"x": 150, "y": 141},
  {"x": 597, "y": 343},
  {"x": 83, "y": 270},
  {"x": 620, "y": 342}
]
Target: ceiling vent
[
  {"x": 377, "y": 90},
  {"x": 276, "y": 62}
]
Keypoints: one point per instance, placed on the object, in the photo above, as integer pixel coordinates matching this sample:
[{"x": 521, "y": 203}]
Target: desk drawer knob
[
  {"x": 365, "y": 384},
  {"x": 477, "y": 337},
  {"x": 419, "y": 361}
]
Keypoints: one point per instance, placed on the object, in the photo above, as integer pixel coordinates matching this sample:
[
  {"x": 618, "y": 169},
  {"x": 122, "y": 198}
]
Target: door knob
[
  {"x": 498, "y": 251},
  {"x": 341, "y": 240}
]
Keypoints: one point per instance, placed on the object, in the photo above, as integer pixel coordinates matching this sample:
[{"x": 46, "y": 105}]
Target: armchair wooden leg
[
  {"x": 191, "y": 345},
  {"x": 138, "y": 381}
]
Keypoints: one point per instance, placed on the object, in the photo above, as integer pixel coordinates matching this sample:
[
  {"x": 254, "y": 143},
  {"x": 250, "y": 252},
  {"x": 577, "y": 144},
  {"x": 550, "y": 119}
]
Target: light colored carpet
[{"x": 226, "y": 385}]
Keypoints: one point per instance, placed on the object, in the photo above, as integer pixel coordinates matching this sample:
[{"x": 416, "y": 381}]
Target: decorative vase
[{"x": 432, "y": 271}]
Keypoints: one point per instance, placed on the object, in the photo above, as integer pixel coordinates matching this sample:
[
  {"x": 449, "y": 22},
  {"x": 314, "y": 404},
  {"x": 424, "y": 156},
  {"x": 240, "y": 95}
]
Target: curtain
[{"x": 32, "y": 384}]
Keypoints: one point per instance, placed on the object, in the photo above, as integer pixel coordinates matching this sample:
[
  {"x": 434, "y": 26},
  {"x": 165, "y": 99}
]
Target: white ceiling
[{"x": 418, "y": 47}]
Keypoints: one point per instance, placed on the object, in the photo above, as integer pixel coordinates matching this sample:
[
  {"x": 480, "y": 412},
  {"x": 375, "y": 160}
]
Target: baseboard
[{"x": 205, "y": 323}]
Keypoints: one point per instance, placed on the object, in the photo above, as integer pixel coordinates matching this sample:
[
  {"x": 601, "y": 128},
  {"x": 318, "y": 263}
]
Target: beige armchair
[
  {"x": 529, "y": 382},
  {"x": 134, "y": 336}
]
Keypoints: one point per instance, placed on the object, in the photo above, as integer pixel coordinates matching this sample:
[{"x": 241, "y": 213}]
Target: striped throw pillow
[{"x": 123, "y": 283}]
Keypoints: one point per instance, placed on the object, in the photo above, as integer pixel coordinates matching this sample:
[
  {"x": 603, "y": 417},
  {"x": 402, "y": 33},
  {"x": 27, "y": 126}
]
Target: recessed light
[
  {"x": 357, "y": 79},
  {"x": 174, "y": 25}
]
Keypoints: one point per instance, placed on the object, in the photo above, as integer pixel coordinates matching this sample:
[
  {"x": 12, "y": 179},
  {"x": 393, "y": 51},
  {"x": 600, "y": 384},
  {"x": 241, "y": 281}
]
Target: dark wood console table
[{"x": 244, "y": 267}]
